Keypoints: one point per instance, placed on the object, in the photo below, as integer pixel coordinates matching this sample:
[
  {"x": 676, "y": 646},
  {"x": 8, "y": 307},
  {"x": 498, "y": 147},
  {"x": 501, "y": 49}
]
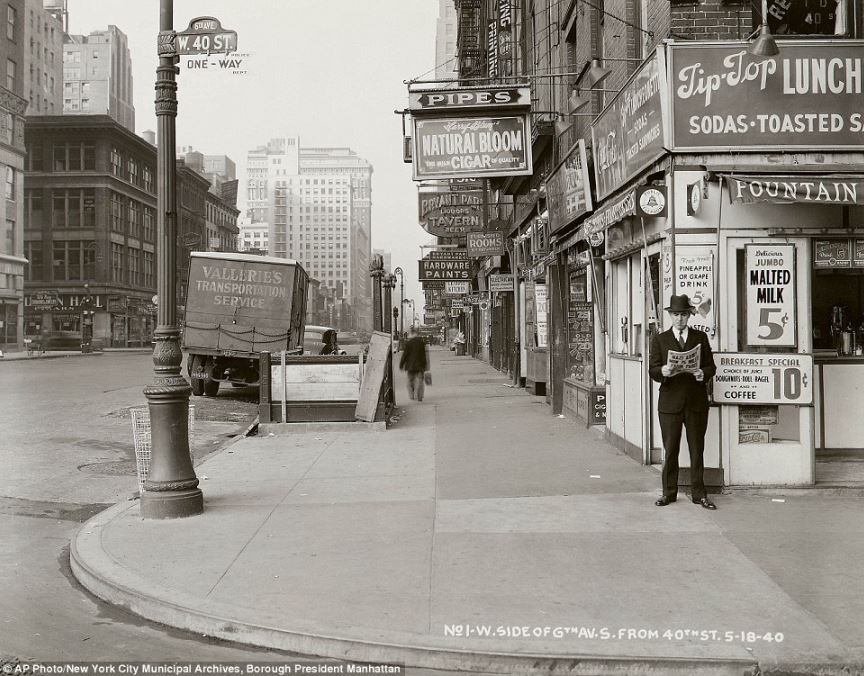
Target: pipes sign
[{"x": 770, "y": 293}]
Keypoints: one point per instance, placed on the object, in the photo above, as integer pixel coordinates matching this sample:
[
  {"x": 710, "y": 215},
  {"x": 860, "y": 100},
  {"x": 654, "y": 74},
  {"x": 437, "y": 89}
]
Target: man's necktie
[{"x": 681, "y": 340}]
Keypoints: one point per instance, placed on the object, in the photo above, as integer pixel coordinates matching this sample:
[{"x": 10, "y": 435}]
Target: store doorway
[{"x": 837, "y": 307}]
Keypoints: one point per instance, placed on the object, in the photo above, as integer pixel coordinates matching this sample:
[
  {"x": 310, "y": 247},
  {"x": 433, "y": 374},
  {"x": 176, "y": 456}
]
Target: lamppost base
[{"x": 171, "y": 504}]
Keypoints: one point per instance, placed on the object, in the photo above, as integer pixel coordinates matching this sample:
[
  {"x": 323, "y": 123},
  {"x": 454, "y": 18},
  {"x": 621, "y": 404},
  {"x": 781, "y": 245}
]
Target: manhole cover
[{"x": 114, "y": 468}]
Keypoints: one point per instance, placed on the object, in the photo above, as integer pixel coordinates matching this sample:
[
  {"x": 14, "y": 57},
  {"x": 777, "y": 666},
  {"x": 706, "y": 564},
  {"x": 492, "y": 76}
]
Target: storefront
[{"x": 790, "y": 275}]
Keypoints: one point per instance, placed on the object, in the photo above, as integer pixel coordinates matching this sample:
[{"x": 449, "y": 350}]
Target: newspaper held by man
[{"x": 688, "y": 361}]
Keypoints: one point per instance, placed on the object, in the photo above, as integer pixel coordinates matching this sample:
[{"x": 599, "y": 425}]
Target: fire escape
[{"x": 469, "y": 42}]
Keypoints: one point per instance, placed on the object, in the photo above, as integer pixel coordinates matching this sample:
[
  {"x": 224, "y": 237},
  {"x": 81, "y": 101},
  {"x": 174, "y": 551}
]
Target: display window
[{"x": 838, "y": 296}]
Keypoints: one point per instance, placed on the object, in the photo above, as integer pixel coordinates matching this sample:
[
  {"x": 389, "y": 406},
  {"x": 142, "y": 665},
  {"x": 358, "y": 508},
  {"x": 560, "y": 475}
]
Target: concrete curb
[
  {"x": 103, "y": 576},
  {"x": 287, "y": 429},
  {"x": 48, "y": 355}
]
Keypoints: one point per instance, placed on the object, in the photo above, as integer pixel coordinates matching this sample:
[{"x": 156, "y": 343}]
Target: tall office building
[
  {"x": 446, "y": 63},
  {"x": 12, "y": 106},
  {"x": 43, "y": 56},
  {"x": 97, "y": 76},
  {"x": 318, "y": 204}
]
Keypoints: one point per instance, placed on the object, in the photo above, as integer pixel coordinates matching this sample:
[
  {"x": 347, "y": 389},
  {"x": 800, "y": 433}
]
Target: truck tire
[
  {"x": 195, "y": 363},
  {"x": 211, "y": 387}
]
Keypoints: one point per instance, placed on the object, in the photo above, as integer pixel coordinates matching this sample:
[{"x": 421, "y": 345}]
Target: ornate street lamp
[
  {"x": 389, "y": 284},
  {"x": 376, "y": 272},
  {"x": 171, "y": 489},
  {"x": 398, "y": 271}
]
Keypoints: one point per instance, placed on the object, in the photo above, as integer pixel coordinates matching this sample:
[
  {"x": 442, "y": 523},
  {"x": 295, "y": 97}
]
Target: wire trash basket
[{"x": 141, "y": 437}]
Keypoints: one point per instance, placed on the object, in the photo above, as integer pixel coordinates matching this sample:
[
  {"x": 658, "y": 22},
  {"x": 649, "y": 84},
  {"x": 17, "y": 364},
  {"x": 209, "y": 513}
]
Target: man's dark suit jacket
[{"x": 681, "y": 391}]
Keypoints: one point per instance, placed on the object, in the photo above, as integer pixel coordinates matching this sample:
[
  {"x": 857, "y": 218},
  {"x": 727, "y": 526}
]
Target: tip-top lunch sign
[
  {"x": 450, "y": 214},
  {"x": 808, "y": 96}
]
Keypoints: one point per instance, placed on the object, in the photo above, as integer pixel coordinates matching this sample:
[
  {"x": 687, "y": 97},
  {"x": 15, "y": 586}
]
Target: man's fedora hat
[{"x": 680, "y": 304}]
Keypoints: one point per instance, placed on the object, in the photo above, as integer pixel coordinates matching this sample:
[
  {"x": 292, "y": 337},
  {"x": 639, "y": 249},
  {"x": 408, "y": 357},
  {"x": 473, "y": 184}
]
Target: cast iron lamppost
[
  {"x": 171, "y": 489},
  {"x": 376, "y": 272},
  {"x": 398, "y": 271},
  {"x": 389, "y": 285}
]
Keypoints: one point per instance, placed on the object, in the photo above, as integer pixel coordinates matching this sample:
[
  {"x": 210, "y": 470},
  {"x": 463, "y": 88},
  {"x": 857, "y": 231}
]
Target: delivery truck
[{"x": 237, "y": 306}]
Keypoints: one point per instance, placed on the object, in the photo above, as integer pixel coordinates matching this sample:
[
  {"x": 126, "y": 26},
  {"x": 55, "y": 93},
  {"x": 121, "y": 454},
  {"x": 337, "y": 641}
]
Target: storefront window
[
  {"x": 66, "y": 322},
  {"x": 838, "y": 295},
  {"x": 808, "y": 17},
  {"x": 762, "y": 424},
  {"x": 580, "y": 328}
]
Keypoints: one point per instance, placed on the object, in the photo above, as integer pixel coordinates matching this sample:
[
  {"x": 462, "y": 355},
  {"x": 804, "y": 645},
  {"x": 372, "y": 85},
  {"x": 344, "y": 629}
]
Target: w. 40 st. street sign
[{"x": 205, "y": 35}]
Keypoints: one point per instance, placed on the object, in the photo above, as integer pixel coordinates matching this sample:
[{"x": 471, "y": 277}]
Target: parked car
[{"x": 313, "y": 341}]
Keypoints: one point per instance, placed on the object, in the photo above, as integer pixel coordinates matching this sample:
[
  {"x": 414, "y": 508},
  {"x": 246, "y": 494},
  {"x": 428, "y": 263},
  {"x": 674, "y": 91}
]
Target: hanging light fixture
[
  {"x": 597, "y": 73},
  {"x": 764, "y": 45},
  {"x": 577, "y": 101}
]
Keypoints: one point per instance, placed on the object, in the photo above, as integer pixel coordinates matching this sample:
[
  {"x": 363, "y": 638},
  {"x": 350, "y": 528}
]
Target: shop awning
[{"x": 796, "y": 189}]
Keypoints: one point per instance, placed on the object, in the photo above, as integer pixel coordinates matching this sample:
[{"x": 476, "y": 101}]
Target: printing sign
[
  {"x": 745, "y": 378},
  {"x": 808, "y": 96},
  {"x": 493, "y": 145},
  {"x": 770, "y": 293}
]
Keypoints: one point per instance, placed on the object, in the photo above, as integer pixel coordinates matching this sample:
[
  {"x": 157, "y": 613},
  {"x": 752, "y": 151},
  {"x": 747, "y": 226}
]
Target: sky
[{"x": 330, "y": 71}]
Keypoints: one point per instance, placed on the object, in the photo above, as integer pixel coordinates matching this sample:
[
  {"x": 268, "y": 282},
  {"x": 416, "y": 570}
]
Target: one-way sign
[{"x": 205, "y": 35}]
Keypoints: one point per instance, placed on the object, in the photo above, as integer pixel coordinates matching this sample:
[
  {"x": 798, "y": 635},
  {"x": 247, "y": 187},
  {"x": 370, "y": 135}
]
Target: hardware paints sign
[{"x": 808, "y": 96}]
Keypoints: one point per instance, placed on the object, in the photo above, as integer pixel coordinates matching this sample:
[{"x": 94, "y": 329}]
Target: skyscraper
[
  {"x": 317, "y": 202},
  {"x": 446, "y": 63},
  {"x": 97, "y": 76},
  {"x": 43, "y": 56}
]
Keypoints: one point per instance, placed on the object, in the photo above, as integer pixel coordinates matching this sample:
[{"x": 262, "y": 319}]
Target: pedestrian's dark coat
[
  {"x": 681, "y": 391},
  {"x": 414, "y": 358}
]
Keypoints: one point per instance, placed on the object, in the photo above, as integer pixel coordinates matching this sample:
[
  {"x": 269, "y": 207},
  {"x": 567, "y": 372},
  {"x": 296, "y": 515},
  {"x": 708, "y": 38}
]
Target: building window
[
  {"x": 134, "y": 219},
  {"x": 116, "y": 212},
  {"x": 798, "y": 17},
  {"x": 74, "y": 208},
  {"x": 149, "y": 231},
  {"x": 33, "y": 209},
  {"x": 9, "y": 240},
  {"x": 116, "y": 162},
  {"x": 11, "y": 18},
  {"x": 116, "y": 262},
  {"x": 34, "y": 156},
  {"x": 7, "y": 127},
  {"x": 135, "y": 267},
  {"x": 74, "y": 157},
  {"x": 10, "y": 75},
  {"x": 68, "y": 261},
  {"x": 33, "y": 251},
  {"x": 10, "y": 183},
  {"x": 147, "y": 174},
  {"x": 147, "y": 272}
]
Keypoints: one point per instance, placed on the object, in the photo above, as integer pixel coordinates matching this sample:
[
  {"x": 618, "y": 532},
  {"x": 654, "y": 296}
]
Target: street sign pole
[{"x": 171, "y": 489}]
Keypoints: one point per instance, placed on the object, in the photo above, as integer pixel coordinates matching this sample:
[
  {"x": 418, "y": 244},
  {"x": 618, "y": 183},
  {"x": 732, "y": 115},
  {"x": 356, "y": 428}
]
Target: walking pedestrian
[
  {"x": 415, "y": 362},
  {"x": 330, "y": 344},
  {"x": 683, "y": 400}
]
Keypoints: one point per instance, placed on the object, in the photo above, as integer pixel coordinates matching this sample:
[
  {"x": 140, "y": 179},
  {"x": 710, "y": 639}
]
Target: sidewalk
[
  {"x": 479, "y": 511},
  {"x": 57, "y": 354}
]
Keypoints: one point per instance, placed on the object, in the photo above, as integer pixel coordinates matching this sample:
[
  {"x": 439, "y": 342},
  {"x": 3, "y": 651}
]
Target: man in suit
[{"x": 683, "y": 400}]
